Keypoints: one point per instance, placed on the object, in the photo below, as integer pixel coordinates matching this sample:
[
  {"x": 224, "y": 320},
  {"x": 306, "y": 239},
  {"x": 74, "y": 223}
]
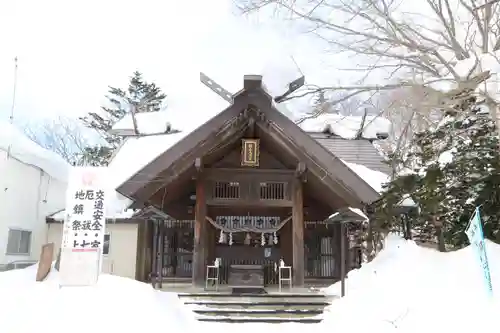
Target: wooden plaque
[{"x": 250, "y": 150}]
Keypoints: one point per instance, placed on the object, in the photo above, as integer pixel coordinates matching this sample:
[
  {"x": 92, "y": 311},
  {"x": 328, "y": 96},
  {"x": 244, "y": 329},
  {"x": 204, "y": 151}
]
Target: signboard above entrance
[{"x": 250, "y": 152}]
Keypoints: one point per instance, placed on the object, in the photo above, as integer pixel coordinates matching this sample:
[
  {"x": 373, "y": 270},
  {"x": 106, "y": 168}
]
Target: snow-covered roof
[
  {"x": 376, "y": 180},
  {"x": 347, "y": 126},
  {"x": 27, "y": 151},
  {"x": 350, "y": 211},
  {"x": 133, "y": 155}
]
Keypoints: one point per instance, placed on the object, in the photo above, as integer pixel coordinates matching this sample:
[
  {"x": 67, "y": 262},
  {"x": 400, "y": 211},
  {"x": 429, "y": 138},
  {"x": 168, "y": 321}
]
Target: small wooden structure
[{"x": 249, "y": 187}]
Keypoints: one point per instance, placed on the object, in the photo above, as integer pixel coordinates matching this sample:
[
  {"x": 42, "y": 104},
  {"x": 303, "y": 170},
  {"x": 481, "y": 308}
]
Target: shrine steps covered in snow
[{"x": 273, "y": 307}]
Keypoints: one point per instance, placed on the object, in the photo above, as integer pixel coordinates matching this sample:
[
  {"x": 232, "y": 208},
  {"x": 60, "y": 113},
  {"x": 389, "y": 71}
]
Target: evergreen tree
[
  {"x": 456, "y": 167},
  {"x": 140, "y": 96}
]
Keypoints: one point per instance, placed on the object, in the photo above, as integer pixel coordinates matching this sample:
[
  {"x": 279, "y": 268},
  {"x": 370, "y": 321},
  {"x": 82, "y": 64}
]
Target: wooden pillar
[
  {"x": 298, "y": 233},
  {"x": 343, "y": 257},
  {"x": 161, "y": 252},
  {"x": 200, "y": 235},
  {"x": 154, "y": 265}
]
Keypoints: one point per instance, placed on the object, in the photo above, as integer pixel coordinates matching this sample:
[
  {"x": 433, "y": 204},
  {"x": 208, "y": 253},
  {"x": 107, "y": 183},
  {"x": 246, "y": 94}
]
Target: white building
[{"x": 32, "y": 185}]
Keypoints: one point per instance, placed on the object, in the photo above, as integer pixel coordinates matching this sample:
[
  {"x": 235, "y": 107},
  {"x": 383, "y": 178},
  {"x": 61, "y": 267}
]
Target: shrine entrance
[
  {"x": 249, "y": 240},
  {"x": 247, "y": 181}
]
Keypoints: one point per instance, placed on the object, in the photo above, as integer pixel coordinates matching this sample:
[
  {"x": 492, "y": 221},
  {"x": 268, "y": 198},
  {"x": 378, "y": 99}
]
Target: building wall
[
  {"x": 27, "y": 196},
  {"x": 121, "y": 260}
]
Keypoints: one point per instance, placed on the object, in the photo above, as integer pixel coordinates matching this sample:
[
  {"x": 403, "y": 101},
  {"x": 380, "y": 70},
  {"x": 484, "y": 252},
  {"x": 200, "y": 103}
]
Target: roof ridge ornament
[
  {"x": 250, "y": 82},
  {"x": 215, "y": 87},
  {"x": 292, "y": 87}
]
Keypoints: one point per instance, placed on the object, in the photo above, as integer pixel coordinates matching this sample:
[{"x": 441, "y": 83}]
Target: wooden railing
[{"x": 254, "y": 187}]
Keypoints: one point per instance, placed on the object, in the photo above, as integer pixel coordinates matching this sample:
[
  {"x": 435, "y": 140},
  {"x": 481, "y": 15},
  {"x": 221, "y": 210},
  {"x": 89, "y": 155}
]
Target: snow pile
[
  {"x": 27, "y": 151},
  {"x": 407, "y": 288},
  {"x": 115, "y": 304},
  {"x": 347, "y": 126}
]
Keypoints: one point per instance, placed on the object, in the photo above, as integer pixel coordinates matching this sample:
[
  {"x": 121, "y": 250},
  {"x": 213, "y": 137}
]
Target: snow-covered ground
[
  {"x": 407, "y": 288},
  {"x": 115, "y": 304}
]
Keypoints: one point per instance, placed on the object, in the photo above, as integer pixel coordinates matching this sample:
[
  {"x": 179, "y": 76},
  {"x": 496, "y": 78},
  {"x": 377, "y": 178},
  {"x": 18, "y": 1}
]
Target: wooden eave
[{"x": 182, "y": 155}]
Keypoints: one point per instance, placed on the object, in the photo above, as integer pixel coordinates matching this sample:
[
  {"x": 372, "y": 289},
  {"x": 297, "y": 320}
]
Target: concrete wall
[
  {"x": 27, "y": 196},
  {"x": 121, "y": 259}
]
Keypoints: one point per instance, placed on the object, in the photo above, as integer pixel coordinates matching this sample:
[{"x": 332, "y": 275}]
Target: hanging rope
[{"x": 265, "y": 228}]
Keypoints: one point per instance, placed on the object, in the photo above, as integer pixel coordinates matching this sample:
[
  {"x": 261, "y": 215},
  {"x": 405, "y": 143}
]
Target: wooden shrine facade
[{"x": 245, "y": 187}]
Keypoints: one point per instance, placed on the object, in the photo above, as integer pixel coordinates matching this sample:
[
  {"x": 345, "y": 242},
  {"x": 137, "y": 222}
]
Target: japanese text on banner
[{"x": 84, "y": 225}]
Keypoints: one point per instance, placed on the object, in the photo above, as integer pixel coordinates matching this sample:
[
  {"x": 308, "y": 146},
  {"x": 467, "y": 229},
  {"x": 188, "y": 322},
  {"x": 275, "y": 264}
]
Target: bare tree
[
  {"x": 417, "y": 46},
  {"x": 63, "y": 136},
  {"x": 409, "y": 112}
]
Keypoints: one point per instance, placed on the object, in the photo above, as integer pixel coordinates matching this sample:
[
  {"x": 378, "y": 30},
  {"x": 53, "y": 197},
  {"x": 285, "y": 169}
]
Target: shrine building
[{"x": 249, "y": 186}]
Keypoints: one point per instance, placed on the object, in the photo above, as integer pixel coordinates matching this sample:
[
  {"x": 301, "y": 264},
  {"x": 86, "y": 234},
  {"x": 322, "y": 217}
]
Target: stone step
[
  {"x": 250, "y": 299},
  {"x": 259, "y": 306},
  {"x": 241, "y": 320},
  {"x": 235, "y": 313},
  {"x": 258, "y": 296}
]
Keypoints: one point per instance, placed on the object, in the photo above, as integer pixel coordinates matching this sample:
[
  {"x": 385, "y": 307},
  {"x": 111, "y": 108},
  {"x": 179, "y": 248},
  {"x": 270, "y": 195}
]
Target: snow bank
[
  {"x": 347, "y": 126},
  {"x": 27, "y": 151},
  {"x": 407, "y": 288},
  {"x": 115, "y": 304}
]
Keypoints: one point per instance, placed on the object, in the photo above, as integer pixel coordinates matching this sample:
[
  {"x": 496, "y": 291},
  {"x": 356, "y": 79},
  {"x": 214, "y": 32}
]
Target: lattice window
[
  {"x": 272, "y": 191},
  {"x": 226, "y": 190}
]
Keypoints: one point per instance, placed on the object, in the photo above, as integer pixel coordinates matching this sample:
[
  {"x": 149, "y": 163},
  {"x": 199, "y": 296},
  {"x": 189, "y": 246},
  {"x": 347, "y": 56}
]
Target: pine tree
[
  {"x": 140, "y": 96},
  {"x": 456, "y": 167}
]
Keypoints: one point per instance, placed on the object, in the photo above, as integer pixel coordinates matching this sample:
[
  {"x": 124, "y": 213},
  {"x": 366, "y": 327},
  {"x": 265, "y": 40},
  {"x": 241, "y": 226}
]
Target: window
[
  {"x": 105, "y": 246},
  {"x": 19, "y": 242}
]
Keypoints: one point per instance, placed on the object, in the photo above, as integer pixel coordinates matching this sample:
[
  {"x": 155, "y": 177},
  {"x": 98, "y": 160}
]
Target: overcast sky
[{"x": 70, "y": 51}]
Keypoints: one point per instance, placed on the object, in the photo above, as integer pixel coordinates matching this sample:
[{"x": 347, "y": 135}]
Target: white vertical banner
[
  {"x": 84, "y": 226},
  {"x": 475, "y": 234}
]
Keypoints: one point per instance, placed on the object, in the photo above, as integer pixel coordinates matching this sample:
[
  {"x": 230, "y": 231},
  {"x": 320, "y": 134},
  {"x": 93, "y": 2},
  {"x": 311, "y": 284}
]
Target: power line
[{"x": 11, "y": 118}]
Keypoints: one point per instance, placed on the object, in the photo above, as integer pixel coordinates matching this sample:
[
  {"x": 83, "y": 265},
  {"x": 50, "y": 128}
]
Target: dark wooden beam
[
  {"x": 298, "y": 233},
  {"x": 154, "y": 263},
  {"x": 262, "y": 174},
  {"x": 200, "y": 235},
  {"x": 161, "y": 250},
  {"x": 343, "y": 257},
  {"x": 249, "y": 203}
]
